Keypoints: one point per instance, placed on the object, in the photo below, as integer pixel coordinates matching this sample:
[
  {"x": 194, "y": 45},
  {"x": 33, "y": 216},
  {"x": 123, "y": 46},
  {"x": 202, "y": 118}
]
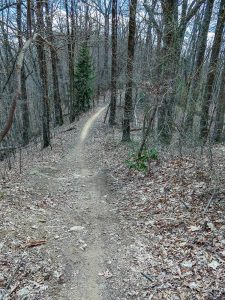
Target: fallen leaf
[
  {"x": 195, "y": 228},
  {"x": 214, "y": 264}
]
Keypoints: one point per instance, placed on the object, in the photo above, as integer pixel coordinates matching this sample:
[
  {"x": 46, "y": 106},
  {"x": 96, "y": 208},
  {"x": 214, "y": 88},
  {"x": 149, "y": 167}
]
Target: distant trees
[{"x": 166, "y": 50}]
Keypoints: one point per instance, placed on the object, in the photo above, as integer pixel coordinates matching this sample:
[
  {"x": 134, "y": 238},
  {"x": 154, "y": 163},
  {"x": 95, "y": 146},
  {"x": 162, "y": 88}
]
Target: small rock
[
  {"x": 193, "y": 285},
  {"x": 76, "y": 228},
  {"x": 23, "y": 293},
  {"x": 2, "y": 294},
  {"x": 187, "y": 264},
  {"x": 214, "y": 264}
]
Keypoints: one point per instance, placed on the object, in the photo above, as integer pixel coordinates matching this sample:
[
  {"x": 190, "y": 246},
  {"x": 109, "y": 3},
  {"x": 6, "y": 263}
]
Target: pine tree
[{"x": 83, "y": 80}]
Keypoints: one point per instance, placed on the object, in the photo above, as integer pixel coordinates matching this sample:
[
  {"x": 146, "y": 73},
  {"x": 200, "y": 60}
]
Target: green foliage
[
  {"x": 141, "y": 163},
  {"x": 2, "y": 194},
  {"x": 83, "y": 80}
]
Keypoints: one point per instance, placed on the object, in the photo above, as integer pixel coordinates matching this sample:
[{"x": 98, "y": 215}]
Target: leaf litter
[{"x": 168, "y": 247}]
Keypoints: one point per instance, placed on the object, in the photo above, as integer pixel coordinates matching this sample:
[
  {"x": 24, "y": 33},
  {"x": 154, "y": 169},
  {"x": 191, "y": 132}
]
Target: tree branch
[
  {"x": 193, "y": 9},
  {"x": 151, "y": 16},
  {"x": 7, "y": 6}
]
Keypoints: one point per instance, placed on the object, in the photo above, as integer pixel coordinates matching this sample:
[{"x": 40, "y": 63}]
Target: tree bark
[
  {"x": 70, "y": 46},
  {"x": 54, "y": 61},
  {"x": 208, "y": 94},
  {"x": 220, "y": 111},
  {"x": 128, "y": 106},
  {"x": 112, "y": 114},
  {"x": 24, "y": 102},
  {"x": 43, "y": 77},
  {"x": 200, "y": 56}
]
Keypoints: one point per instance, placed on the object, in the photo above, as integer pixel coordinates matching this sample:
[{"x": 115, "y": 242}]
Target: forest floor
[{"x": 77, "y": 223}]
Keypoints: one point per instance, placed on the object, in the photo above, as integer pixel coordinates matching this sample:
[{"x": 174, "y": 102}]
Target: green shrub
[{"x": 141, "y": 163}]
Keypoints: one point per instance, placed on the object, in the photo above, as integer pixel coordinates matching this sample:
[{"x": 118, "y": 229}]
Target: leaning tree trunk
[
  {"x": 18, "y": 68},
  {"x": 208, "y": 94},
  {"x": 128, "y": 106},
  {"x": 43, "y": 77},
  {"x": 112, "y": 113}
]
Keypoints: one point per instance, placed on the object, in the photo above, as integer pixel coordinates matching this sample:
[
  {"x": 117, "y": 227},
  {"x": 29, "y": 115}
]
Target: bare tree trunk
[
  {"x": 220, "y": 110},
  {"x": 112, "y": 114},
  {"x": 128, "y": 106},
  {"x": 207, "y": 97},
  {"x": 105, "y": 72},
  {"x": 43, "y": 77},
  {"x": 70, "y": 45},
  {"x": 200, "y": 56},
  {"x": 54, "y": 61},
  {"x": 24, "y": 104}
]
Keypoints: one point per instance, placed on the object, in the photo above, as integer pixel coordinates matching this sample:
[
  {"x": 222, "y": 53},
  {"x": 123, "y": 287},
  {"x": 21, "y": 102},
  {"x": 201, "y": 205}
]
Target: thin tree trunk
[
  {"x": 128, "y": 106},
  {"x": 54, "y": 61},
  {"x": 72, "y": 108},
  {"x": 105, "y": 72},
  {"x": 24, "y": 104},
  {"x": 112, "y": 114},
  {"x": 43, "y": 77}
]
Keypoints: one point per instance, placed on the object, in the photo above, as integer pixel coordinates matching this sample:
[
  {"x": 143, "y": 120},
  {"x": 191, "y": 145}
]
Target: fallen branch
[
  {"x": 70, "y": 129},
  {"x": 136, "y": 129},
  {"x": 147, "y": 276},
  {"x": 210, "y": 201},
  {"x": 32, "y": 244},
  {"x": 106, "y": 113}
]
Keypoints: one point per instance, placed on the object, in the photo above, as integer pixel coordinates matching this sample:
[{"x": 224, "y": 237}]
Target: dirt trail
[
  {"x": 66, "y": 198},
  {"x": 89, "y": 218}
]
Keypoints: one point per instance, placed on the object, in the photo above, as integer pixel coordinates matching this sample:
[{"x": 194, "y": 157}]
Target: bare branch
[{"x": 7, "y": 6}]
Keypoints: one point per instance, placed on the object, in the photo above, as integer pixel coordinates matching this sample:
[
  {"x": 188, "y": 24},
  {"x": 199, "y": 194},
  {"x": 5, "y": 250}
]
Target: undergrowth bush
[{"x": 141, "y": 163}]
